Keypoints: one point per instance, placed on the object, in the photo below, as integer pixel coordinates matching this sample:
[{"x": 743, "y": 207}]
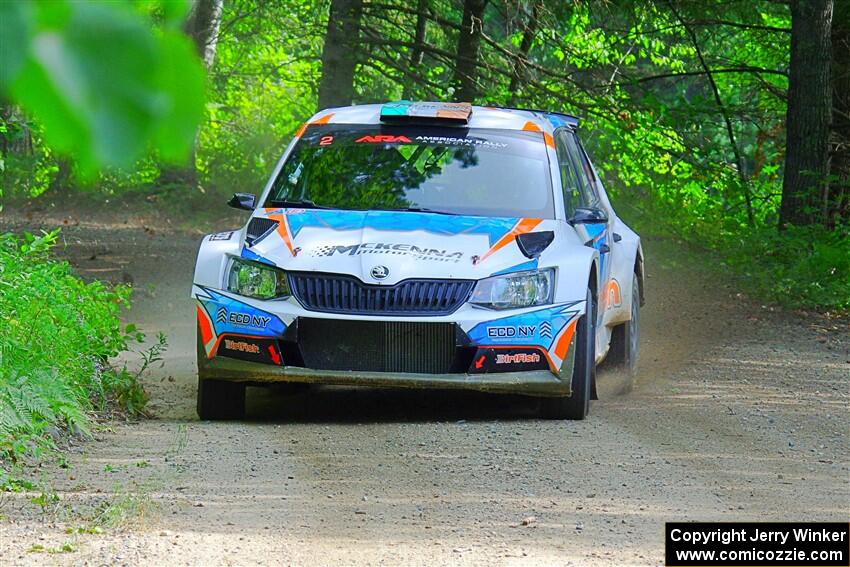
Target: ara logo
[
  {"x": 383, "y": 139},
  {"x": 221, "y": 316},
  {"x": 546, "y": 329},
  {"x": 509, "y": 332}
]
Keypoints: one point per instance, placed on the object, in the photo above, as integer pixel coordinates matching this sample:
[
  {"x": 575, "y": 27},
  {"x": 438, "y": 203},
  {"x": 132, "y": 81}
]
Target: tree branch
[{"x": 730, "y": 131}]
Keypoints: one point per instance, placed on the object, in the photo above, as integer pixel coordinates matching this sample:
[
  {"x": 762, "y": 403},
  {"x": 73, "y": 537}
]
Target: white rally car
[{"x": 422, "y": 245}]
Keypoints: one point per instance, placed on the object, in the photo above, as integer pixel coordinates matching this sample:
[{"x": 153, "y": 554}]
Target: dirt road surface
[{"x": 739, "y": 413}]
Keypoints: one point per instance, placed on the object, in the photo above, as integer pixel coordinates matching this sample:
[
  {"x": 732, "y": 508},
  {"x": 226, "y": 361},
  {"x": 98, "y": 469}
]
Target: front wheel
[
  {"x": 220, "y": 400},
  {"x": 577, "y": 406}
]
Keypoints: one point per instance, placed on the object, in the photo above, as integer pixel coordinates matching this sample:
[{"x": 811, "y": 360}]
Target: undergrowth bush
[
  {"x": 57, "y": 333},
  {"x": 800, "y": 267},
  {"x": 805, "y": 267}
]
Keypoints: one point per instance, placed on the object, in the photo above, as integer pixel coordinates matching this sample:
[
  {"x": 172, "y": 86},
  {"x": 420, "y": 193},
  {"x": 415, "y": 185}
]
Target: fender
[
  {"x": 574, "y": 268},
  {"x": 627, "y": 258},
  {"x": 214, "y": 253}
]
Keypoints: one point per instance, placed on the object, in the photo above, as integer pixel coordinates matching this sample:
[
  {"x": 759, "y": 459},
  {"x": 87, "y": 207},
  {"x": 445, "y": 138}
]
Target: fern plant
[{"x": 57, "y": 334}]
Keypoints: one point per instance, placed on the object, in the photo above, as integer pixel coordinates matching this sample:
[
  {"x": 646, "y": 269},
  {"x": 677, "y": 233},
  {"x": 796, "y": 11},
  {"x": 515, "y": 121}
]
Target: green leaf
[
  {"x": 180, "y": 77},
  {"x": 105, "y": 85},
  {"x": 174, "y": 12},
  {"x": 16, "y": 18}
]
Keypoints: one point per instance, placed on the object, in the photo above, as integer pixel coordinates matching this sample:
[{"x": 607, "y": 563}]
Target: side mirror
[
  {"x": 243, "y": 201},
  {"x": 589, "y": 216}
]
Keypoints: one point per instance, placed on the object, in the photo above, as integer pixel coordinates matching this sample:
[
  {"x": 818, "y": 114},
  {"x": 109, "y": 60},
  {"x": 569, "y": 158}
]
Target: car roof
[{"x": 480, "y": 117}]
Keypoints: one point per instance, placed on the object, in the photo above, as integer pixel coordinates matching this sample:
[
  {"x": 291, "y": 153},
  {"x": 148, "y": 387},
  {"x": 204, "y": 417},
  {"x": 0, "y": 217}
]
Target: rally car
[{"x": 422, "y": 245}]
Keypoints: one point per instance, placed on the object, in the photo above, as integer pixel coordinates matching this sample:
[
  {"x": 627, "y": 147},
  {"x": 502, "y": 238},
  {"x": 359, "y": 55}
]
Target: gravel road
[{"x": 739, "y": 412}]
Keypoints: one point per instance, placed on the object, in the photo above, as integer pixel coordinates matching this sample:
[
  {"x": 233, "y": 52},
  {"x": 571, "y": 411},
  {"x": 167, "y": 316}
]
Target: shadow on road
[
  {"x": 331, "y": 404},
  {"x": 338, "y": 404}
]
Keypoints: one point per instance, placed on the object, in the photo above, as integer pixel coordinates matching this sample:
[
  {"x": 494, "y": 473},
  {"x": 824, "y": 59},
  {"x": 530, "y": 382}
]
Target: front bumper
[
  {"x": 533, "y": 383},
  {"x": 527, "y": 352}
]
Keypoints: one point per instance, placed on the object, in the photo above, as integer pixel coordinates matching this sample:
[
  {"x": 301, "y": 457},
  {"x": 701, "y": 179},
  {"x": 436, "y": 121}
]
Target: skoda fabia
[{"x": 422, "y": 245}]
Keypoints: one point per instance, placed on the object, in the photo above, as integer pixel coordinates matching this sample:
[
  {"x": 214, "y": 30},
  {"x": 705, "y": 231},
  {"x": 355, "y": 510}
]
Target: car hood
[{"x": 385, "y": 247}]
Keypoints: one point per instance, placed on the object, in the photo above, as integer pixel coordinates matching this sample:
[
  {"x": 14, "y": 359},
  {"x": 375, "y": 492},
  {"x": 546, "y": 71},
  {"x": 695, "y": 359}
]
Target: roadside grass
[
  {"x": 125, "y": 509},
  {"x": 67, "y": 547},
  {"x": 57, "y": 334},
  {"x": 119, "y": 511}
]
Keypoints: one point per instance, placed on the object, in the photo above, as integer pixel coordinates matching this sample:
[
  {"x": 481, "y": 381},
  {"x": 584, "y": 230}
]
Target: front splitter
[{"x": 532, "y": 383}]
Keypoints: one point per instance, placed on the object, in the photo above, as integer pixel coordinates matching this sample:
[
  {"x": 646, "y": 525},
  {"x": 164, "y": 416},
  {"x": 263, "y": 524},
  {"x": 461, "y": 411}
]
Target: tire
[
  {"x": 577, "y": 405},
  {"x": 624, "y": 351},
  {"x": 220, "y": 400}
]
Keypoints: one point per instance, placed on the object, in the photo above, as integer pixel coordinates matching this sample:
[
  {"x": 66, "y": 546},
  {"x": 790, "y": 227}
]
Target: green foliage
[
  {"x": 634, "y": 72},
  {"x": 801, "y": 267},
  {"x": 104, "y": 85},
  {"x": 263, "y": 87},
  {"x": 56, "y": 335}
]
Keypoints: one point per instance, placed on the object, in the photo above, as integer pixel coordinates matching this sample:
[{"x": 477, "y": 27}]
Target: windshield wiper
[
  {"x": 299, "y": 203},
  {"x": 422, "y": 210}
]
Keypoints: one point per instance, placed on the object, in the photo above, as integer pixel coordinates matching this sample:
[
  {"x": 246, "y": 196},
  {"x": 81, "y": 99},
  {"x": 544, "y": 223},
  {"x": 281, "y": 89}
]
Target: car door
[{"x": 580, "y": 192}]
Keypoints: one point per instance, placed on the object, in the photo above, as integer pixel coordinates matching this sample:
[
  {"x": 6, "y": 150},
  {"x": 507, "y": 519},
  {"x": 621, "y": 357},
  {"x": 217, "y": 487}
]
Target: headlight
[
  {"x": 513, "y": 291},
  {"x": 255, "y": 280}
]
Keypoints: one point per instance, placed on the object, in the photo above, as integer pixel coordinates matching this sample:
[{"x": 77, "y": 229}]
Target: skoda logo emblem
[{"x": 380, "y": 272}]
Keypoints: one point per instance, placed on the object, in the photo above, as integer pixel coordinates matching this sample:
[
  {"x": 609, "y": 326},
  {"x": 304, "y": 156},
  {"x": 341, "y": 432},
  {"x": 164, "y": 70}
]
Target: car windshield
[{"x": 494, "y": 173}]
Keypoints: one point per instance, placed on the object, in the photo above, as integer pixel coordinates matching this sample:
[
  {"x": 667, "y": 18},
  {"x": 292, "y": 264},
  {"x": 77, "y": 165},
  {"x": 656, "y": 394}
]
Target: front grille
[
  {"x": 334, "y": 293},
  {"x": 380, "y": 346}
]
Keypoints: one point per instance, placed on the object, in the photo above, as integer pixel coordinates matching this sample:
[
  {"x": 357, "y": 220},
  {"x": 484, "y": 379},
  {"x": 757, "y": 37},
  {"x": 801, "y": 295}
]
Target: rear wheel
[
  {"x": 625, "y": 344},
  {"x": 220, "y": 399},
  {"x": 577, "y": 406}
]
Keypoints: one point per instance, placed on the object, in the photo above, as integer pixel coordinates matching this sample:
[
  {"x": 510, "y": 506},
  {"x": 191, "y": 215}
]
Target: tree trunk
[
  {"x": 808, "y": 115},
  {"x": 519, "y": 71},
  {"x": 202, "y": 27},
  {"x": 419, "y": 39},
  {"x": 468, "y": 46},
  {"x": 838, "y": 203},
  {"x": 339, "y": 57}
]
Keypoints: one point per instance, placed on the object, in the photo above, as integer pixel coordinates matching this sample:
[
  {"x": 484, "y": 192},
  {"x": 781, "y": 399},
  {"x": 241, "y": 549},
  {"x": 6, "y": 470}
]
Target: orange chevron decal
[
  {"x": 564, "y": 342},
  {"x": 282, "y": 230},
  {"x": 521, "y": 227},
  {"x": 547, "y": 137},
  {"x": 323, "y": 120}
]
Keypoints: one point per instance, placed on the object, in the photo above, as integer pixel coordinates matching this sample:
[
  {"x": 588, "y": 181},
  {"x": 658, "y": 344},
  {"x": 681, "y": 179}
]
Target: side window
[
  {"x": 570, "y": 182},
  {"x": 585, "y": 173},
  {"x": 585, "y": 162}
]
